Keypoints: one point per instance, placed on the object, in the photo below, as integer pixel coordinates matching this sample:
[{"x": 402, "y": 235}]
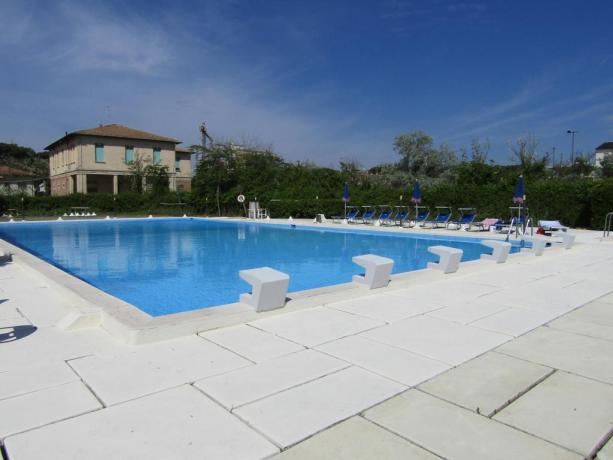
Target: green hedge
[{"x": 578, "y": 203}]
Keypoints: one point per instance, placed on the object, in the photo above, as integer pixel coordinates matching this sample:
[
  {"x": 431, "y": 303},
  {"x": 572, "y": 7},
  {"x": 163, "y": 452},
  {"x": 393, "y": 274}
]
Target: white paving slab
[
  {"x": 598, "y": 312},
  {"x": 574, "y": 353},
  {"x": 39, "y": 408},
  {"x": 251, "y": 383},
  {"x": 456, "y": 433},
  {"x": 437, "y": 339},
  {"x": 316, "y": 325},
  {"x": 446, "y": 292},
  {"x": 468, "y": 312},
  {"x": 50, "y": 344},
  {"x": 33, "y": 378},
  {"x": 514, "y": 321},
  {"x": 568, "y": 323},
  {"x": 388, "y": 308},
  {"x": 180, "y": 423},
  {"x": 355, "y": 439},
  {"x": 567, "y": 409},
  {"x": 486, "y": 383},
  {"x": 300, "y": 412},
  {"x": 8, "y": 312},
  {"x": 254, "y": 344},
  {"x": 390, "y": 362},
  {"x": 145, "y": 369}
]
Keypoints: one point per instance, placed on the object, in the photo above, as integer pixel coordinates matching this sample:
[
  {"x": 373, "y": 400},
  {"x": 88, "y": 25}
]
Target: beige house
[{"x": 97, "y": 160}]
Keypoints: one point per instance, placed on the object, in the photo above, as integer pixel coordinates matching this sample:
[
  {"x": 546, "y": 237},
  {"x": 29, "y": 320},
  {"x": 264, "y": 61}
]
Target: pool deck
[{"x": 494, "y": 361}]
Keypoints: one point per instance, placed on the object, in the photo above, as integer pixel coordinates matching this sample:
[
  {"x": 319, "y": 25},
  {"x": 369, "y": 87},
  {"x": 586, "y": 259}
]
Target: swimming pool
[{"x": 165, "y": 266}]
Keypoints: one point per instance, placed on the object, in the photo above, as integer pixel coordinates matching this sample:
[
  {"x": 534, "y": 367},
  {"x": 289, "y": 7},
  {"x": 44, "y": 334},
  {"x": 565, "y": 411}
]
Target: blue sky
[{"x": 316, "y": 80}]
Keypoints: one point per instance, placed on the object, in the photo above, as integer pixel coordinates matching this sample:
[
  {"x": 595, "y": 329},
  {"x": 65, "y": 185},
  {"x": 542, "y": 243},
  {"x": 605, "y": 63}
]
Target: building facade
[
  {"x": 602, "y": 151},
  {"x": 98, "y": 160},
  {"x": 18, "y": 181}
]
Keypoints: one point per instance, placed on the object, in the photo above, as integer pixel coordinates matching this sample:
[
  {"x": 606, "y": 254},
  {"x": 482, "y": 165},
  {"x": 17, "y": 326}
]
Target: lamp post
[{"x": 572, "y": 144}]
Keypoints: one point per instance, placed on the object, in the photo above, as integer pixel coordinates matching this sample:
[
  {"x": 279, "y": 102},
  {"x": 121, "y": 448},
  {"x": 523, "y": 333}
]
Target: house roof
[
  {"x": 605, "y": 146},
  {"x": 115, "y": 131},
  {"x": 7, "y": 171},
  {"x": 183, "y": 150}
]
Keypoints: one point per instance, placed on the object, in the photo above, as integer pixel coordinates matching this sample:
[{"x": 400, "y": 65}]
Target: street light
[{"x": 572, "y": 144}]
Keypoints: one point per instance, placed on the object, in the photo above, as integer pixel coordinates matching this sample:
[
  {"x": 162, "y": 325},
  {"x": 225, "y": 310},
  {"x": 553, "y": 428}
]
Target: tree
[
  {"x": 137, "y": 172},
  {"x": 524, "y": 152},
  {"x": 420, "y": 158},
  {"x": 156, "y": 178}
]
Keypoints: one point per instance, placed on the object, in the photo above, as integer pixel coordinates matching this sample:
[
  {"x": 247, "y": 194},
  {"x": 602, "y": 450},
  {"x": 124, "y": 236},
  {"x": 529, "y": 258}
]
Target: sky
[{"x": 314, "y": 80}]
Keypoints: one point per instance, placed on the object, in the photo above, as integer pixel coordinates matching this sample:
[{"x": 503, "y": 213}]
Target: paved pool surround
[
  {"x": 495, "y": 361},
  {"x": 91, "y": 306}
]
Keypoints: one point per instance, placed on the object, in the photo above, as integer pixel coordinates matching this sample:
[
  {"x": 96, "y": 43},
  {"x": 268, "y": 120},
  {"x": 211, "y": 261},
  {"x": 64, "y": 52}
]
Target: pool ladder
[
  {"x": 518, "y": 227},
  {"x": 607, "y": 224}
]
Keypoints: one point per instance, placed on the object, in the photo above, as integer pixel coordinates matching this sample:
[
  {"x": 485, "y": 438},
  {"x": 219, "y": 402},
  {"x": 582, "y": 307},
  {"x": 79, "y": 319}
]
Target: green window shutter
[{"x": 157, "y": 156}]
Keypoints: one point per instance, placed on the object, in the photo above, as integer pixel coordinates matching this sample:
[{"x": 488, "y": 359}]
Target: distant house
[
  {"x": 602, "y": 151},
  {"x": 97, "y": 160},
  {"x": 13, "y": 180}
]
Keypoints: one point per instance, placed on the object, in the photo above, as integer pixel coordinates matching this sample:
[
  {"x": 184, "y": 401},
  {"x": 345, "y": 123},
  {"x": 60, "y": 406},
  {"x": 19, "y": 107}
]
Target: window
[
  {"x": 99, "y": 153},
  {"x": 177, "y": 165},
  {"x": 129, "y": 157},
  {"x": 157, "y": 156}
]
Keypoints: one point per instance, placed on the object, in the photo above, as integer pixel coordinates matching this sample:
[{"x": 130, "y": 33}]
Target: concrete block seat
[
  {"x": 539, "y": 243},
  {"x": 268, "y": 287},
  {"x": 500, "y": 250},
  {"x": 568, "y": 239},
  {"x": 378, "y": 270},
  {"x": 449, "y": 261}
]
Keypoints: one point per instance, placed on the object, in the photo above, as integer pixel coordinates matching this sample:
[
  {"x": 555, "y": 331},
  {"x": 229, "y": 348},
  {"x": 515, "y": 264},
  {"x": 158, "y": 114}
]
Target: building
[
  {"x": 13, "y": 180},
  {"x": 98, "y": 160},
  {"x": 602, "y": 151}
]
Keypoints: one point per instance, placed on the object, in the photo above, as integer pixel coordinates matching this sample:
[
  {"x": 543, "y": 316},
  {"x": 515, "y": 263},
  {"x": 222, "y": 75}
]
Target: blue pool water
[{"x": 167, "y": 266}]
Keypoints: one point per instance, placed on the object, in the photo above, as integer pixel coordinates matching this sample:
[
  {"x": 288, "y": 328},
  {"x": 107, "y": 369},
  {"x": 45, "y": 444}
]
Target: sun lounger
[
  {"x": 401, "y": 216},
  {"x": 385, "y": 216},
  {"x": 484, "y": 225},
  {"x": 368, "y": 216},
  {"x": 352, "y": 214},
  {"x": 420, "y": 217},
  {"x": 443, "y": 216},
  {"x": 552, "y": 226},
  {"x": 467, "y": 217}
]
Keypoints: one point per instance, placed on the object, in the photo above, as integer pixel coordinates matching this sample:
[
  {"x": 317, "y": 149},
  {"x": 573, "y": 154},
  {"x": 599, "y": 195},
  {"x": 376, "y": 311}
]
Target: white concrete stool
[
  {"x": 449, "y": 261},
  {"x": 568, "y": 239},
  {"x": 378, "y": 270},
  {"x": 268, "y": 287},
  {"x": 539, "y": 243},
  {"x": 500, "y": 251}
]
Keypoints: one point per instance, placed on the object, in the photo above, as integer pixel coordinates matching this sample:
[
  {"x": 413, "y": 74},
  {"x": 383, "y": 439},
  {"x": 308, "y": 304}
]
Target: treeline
[{"x": 24, "y": 158}]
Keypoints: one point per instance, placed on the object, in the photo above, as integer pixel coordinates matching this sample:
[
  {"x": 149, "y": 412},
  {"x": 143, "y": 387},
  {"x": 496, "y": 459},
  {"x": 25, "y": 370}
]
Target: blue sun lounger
[
  {"x": 467, "y": 217},
  {"x": 401, "y": 216},
  {"x": 421, "y": 217},
  {"x": 443, "y": 216},
  {"x": 368, "y": 216},
  {"x": 385, "y": 218}
]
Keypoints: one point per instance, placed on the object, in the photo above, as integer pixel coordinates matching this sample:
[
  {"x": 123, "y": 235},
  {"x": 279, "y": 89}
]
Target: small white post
[{"x": 568, "y": 239}]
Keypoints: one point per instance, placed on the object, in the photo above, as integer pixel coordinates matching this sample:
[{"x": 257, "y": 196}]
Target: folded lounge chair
[
  {"x": 467, "y": 217},
  {"x": 443, "y": 216}
]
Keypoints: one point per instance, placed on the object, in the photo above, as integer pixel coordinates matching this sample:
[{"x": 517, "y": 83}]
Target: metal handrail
[
  {"x": 529, "y": 221},
  {"x": 607, "y": 224},
  {"x": 510, "y": 228}
]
